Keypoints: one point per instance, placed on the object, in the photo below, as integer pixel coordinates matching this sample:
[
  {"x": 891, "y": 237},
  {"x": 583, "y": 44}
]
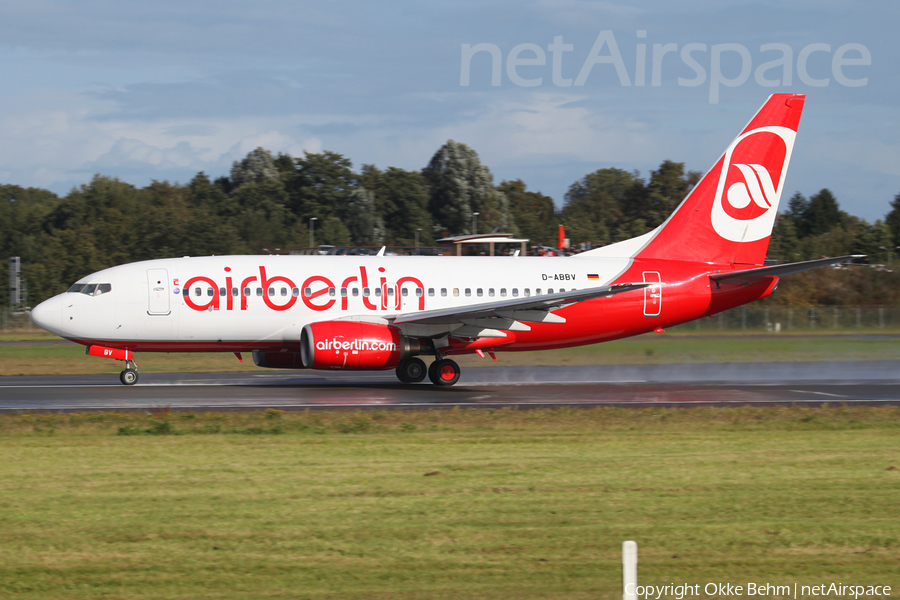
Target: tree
[
  {"x": 667, "y": 187},
  {"x": 401, "y": 201},
  {"x": 822, "y": 215},
  {"x": 362, "y": 220},
  {"x": 320, "y": 186},
  {"x": 594, "y": 205},
  {"x": 893, "y": 220},
  {"x": 458, "y": 186},
  {"x": 534, "y": 213},
  {"x": 257, "y": 167}
]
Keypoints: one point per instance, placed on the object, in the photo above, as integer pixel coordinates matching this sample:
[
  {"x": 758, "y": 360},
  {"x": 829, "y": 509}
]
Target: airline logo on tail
[{"x": 750, "y": 183}]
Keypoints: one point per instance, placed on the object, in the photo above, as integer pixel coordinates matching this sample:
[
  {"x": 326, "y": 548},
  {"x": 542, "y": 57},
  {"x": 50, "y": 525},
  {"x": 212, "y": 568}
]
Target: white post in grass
[{"x": 629, "y": 570}]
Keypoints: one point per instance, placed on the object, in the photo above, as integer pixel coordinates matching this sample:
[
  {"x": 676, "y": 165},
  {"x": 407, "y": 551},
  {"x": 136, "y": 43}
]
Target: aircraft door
[
  {"x": 158, "y": 287},
  {"x": 390, "y": 296},
  {"x": 652, "y": 294}
]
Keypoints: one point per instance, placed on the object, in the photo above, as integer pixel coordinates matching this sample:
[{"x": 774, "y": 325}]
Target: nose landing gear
[{"x": 129, "y": 376}]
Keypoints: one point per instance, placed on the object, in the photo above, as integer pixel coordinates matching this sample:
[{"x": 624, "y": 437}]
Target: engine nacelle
[
  {"x": 277, "y": 360},
  {"x": 354, "y": 346}
]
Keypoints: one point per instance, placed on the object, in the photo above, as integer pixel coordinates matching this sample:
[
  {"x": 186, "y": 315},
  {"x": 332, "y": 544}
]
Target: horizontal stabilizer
[{"x": 750, "y": 275}]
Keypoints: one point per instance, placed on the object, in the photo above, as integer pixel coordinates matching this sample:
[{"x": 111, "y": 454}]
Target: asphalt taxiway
[{"x": 622, "y": 385}]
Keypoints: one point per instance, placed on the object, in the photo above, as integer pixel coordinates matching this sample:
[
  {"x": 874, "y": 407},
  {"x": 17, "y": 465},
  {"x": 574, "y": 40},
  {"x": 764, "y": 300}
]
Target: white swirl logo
[
  {"x": 756, "y": 187},
  {"x": 753, "y": 188}
]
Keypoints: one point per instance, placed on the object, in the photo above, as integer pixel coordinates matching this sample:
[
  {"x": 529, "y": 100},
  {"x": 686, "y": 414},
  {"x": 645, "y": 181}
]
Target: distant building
[{"x": 482, "y": 244}]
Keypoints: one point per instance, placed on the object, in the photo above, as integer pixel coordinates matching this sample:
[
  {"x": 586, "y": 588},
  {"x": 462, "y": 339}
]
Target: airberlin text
[
  {"x": 356, "y": 345},
  {"x": 679, "y": 591},
  {"x": 317, "y": 292}
]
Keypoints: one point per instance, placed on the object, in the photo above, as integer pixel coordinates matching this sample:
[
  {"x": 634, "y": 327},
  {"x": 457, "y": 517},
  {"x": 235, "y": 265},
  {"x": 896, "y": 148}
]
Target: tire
[
  {"x": 411, "y": 370},
  {"x": 128, "y": 377},
  {"x": 444, "y": 372}
]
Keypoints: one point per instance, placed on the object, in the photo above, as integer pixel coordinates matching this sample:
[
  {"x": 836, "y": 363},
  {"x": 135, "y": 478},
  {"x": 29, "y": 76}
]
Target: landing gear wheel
[
  {"x": 128, "y": 377},
  {"x": 411, "y": 370},
  {"x": 444, "y": 372}
]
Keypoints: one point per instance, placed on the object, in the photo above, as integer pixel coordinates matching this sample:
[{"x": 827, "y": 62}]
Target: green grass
[
  {"x": 647, "y": 349},
  {"x": 519, "y": 504}
]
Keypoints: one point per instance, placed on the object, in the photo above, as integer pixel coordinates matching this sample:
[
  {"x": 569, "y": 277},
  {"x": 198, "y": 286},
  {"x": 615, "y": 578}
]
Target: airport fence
[
  {"x": 752, "y": 318},
  {"x": 796, "y": 319}
]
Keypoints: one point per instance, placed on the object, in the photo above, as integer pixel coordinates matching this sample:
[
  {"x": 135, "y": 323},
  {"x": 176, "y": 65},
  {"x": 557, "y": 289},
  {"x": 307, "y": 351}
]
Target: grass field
[
  {"x": 69, "y": 359},
  {"x": 444, "y": 504}
]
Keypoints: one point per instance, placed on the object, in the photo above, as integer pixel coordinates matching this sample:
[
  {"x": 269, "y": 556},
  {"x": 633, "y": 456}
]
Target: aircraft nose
[{"x": 48, "y": 315}]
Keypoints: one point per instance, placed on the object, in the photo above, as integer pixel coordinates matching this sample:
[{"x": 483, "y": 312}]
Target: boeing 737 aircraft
[{"x": 383, "y": 312}]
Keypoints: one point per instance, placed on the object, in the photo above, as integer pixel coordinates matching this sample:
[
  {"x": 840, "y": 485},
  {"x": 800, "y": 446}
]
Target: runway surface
[{"x": 623, "y": 385}]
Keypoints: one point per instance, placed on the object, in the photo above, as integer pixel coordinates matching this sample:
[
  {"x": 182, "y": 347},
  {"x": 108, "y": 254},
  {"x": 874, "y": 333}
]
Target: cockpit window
[{"x": 90, "y": 289}]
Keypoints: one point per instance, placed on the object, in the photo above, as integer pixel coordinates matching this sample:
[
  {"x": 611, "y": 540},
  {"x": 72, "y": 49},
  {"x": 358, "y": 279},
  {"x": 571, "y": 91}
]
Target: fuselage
[{"x": 247, "y": 303}]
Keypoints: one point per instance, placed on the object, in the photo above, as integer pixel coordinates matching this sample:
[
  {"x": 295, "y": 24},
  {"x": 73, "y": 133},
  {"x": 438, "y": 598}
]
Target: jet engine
[{"x": 354, "y": 346}]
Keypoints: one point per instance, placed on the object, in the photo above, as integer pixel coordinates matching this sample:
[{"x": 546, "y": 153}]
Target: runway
[{"x": 537, "y": 387}]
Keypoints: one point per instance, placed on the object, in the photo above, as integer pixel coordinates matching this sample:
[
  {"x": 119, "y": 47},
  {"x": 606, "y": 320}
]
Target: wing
[
  {"x": 750, "y": 275},
  {"x": 491, "y": 318}
]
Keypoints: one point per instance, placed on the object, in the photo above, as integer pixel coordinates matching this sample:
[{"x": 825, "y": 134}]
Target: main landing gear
[
  {"x": 411, "y": 370},
  {"x": 442, "y": 372},
  {"x": 129, "y": 376}
]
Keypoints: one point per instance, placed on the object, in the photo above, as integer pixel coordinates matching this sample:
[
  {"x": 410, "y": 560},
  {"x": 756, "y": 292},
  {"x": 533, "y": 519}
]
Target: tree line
[{"x": 267, "y": 202}]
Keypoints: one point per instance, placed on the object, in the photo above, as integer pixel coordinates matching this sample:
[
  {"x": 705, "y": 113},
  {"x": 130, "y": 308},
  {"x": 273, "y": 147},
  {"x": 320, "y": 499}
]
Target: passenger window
[
  {"x": 456, "y": 291},
  {"x": 549, "y": 290},
  {"x": 431, "y": 291},
  {"x": 197, "y": 291},
  {"x": 259, "y": 291},
  {"x": 479, "y": 292},
  {"x": 527, "y": 292},
  {"x": 515, "y": 292},
  {"x": 284, "y": 291},
  {"x": 295, "y": 292},
  {"x": 491, "y": 292},
  {"x": 355, "y": 292},
  {"x": 537, "y": 292},
  {"x": 503, "y": 292},
  {"x": 222, "y": 291},
  {"x": 271, "y": 292},
  {"x": 378, "y": 292},
  {"x": 390, "y": 291},
  {"x": 365, "y": 291},
  {"x": 419, "y": 292},
  {"x": 307, "y": 292},
  {"x": 468, "y": 292},
  {"x": 246, "y": 292},
  {"x": 443, "y": 291},
  {"x": 234, "y": 291},
  {"x": 343, "y": 292},
  {"x": 405, "y": 292},
  {"x": 331, "y": 291}
]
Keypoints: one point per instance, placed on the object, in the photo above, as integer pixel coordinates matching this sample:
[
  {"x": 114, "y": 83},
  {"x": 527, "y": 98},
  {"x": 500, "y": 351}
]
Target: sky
[{"x": 544, "y": 91}]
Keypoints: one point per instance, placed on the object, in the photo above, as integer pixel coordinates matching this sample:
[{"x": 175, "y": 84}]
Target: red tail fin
[{"x": 728, "y": 217}]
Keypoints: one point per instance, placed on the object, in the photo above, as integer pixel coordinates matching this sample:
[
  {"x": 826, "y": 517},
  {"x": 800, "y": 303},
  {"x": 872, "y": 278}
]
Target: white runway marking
[{"x": 818, "y": 393}]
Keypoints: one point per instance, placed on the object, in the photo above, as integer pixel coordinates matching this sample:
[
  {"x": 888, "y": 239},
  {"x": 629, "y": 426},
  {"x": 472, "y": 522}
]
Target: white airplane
[{"x": 383, "y": 312}]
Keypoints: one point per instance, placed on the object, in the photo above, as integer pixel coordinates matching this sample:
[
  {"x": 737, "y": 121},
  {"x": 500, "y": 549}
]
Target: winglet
[{"x": 381, "y": 252}]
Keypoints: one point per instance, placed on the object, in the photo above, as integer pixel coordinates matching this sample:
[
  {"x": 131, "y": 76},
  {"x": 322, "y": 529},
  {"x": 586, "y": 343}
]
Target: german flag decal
[{"x": 593, "y": 277}]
